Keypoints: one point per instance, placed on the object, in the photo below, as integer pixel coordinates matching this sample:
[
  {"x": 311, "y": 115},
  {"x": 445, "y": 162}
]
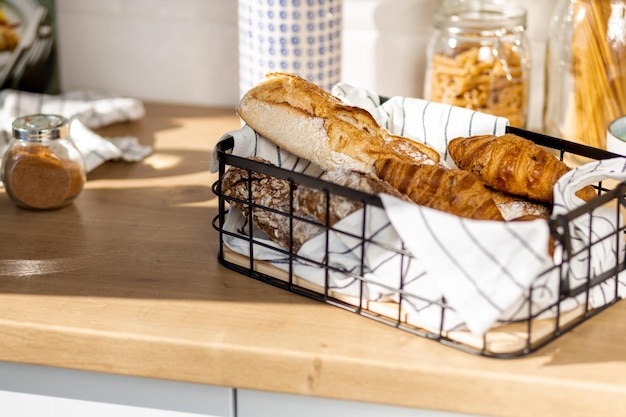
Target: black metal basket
[{"x": 512, "y": 339}]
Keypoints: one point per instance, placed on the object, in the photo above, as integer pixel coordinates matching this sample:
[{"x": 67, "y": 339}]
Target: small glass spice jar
[
  {"x": 41, "y": 168},
  {"x": 478, "y": 59}
]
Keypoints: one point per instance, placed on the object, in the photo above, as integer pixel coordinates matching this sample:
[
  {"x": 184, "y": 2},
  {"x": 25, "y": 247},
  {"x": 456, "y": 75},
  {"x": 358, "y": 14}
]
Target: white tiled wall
[{"x": 185, "y": 51}]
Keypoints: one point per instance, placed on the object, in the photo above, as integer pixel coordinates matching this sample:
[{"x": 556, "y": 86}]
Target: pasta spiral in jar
[{"x": 477, "y": 58}]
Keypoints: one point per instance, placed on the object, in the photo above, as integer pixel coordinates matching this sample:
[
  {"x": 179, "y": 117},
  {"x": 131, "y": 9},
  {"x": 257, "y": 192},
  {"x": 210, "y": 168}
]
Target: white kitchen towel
[
  {"x": 86, "y": 110},
  {"x": 595, "y": 230},
  {"x": 482, "y": 269}
]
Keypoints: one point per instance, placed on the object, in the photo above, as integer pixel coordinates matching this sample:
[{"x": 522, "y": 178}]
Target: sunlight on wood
[{"x": 160, "y": 161}]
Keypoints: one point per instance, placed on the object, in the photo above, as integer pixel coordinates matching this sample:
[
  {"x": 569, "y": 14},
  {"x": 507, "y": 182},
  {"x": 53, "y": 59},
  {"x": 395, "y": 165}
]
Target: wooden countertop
[{"x": 126, "y": 281}]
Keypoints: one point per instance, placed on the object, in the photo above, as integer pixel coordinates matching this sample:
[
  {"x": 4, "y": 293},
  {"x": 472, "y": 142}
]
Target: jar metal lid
[{"x": 40, "y": 127}]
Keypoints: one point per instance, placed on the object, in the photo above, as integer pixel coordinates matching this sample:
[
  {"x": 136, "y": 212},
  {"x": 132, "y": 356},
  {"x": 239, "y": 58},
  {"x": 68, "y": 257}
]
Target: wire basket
[{"x": 506, "y": 340}]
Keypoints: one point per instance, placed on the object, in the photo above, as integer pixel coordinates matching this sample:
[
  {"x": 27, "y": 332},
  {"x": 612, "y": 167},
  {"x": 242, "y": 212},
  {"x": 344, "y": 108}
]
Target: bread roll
[{"x": 311, "y": 123}]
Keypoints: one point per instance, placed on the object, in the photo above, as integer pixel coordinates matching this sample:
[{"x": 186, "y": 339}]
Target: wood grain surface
[{"x": 126, "y": 280}]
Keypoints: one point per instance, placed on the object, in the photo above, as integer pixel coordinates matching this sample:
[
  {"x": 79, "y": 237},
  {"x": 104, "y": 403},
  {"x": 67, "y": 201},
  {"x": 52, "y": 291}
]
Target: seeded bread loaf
[
  {"x": 313, "y": 202},
  {"x": 269, "y": 203},
  {"x": 271, "y": 206}
]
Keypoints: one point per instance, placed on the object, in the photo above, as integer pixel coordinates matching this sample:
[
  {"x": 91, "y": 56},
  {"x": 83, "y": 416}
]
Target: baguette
[{"x": 306, "y": 120}]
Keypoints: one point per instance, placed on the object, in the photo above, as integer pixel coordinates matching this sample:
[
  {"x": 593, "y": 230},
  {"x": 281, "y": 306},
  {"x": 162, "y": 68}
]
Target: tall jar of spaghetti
[
  {"x": 478, "y": 58},
  {"x": 585, "y": 69}
]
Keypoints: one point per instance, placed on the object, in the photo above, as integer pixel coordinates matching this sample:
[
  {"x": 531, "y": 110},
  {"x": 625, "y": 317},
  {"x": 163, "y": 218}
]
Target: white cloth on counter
[
  {"x": 86, "y": 110},
  {"x": 482, "y": 269}
]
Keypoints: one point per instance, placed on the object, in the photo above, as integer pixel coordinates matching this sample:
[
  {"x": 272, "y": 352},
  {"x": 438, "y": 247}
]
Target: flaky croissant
[
  {"x": 450, "y": 190},
  {"x": 512, "y": 164}
]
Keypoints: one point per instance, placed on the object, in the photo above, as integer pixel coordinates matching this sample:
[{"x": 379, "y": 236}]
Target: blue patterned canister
[{"x": 298, "y": 36}]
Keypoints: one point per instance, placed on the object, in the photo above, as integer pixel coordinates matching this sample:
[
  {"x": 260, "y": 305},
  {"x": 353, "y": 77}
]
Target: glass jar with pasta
[
  {"x": 585, "y": 70},
  {"x": 477, "y": 58}
]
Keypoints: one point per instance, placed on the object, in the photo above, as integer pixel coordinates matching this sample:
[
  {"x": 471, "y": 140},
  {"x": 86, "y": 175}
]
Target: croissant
[
  {"x": 513, "y": 165},
  {"x": 450, "y": 190}
]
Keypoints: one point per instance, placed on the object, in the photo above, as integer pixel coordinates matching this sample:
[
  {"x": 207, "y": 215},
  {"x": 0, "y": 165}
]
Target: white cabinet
[
  {"x": 33, "y": 391},
  {"x": 16, "y": 404},
  {"x": 266, "y": 404}
]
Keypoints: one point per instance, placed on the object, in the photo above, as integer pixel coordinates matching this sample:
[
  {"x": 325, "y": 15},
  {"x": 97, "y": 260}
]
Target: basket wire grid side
[
  {"x": 324, "y": 294},
  {"x": 288, "y": 283},
  {"x": 259, "y": 167},
  {"x": 287, "y": 279}
]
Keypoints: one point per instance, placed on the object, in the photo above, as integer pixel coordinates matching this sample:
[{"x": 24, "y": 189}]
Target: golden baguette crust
[{"x": 311, "y": 123}]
